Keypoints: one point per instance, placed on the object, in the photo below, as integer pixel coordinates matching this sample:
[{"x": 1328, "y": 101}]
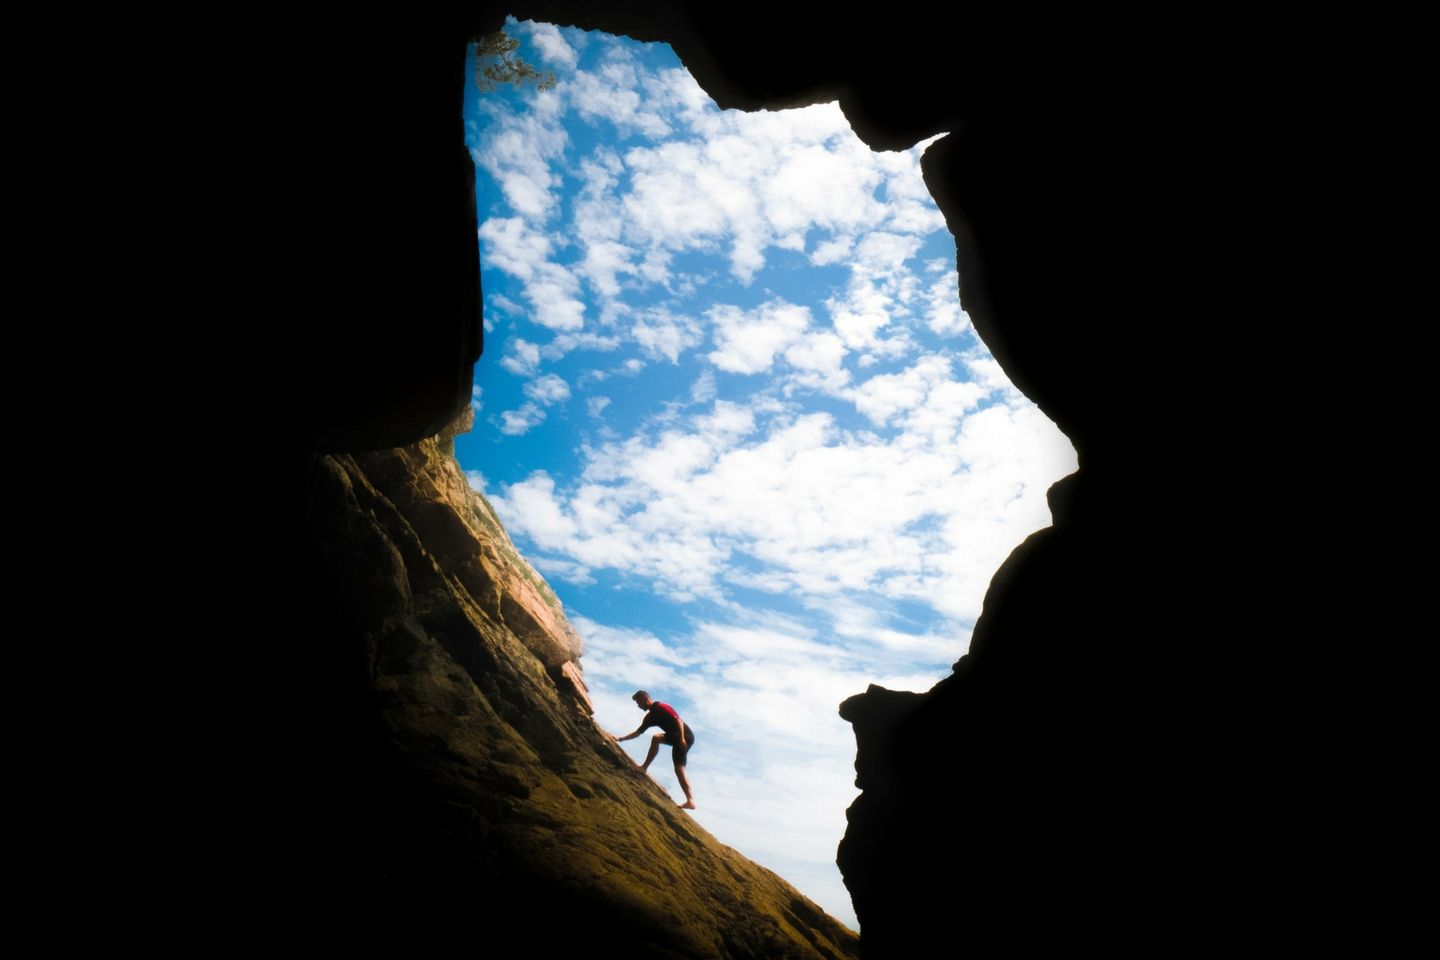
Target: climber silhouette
[{"x": 675, "y": 732}]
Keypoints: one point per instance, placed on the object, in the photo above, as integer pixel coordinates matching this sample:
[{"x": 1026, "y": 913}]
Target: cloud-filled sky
[{"x": 730, "y": 406}]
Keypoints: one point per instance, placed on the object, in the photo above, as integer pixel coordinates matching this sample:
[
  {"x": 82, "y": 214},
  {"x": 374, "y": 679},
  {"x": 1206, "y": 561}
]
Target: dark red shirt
[{"x": 662, "y": 715}]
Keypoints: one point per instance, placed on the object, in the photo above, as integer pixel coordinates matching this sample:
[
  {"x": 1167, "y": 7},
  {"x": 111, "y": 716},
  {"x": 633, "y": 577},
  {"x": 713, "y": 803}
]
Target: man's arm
[{"x": 629, "y": 736}]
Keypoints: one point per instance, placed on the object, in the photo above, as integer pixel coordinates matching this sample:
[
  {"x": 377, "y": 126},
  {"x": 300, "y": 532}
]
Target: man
[{"x": 674, "y": 731}]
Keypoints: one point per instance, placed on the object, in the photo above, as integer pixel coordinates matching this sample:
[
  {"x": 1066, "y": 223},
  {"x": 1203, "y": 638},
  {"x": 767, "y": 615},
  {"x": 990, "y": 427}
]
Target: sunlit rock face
[
  {"x": 468, "y": 542},
  {"x": 1101, "y": 747},
  {"x": 459, "y": 783}
]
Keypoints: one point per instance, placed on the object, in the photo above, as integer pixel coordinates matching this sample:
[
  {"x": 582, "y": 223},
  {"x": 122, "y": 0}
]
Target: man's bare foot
[{"x": 688, "y": 805}]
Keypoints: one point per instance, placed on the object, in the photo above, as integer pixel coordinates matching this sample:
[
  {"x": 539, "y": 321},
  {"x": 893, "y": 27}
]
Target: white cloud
[
  {"x": 661, "y": 333},
  {"x": 880, "y": 292},
  {"x": 547, "y": 390},
  {"x": 522, "y": 357},
  {"x": 883, "y": 397},
  {"x": 612, "y": 92},
  {"x": 518, "y": 151},
  {"x": 678, "y": 200},
  {"x": 675, "y": 92},
  {"x": 597, "y": 224},
  {"x": 514, "y": 247},
  {"x": 555, "y": 294},
  {"x": 909, "y": 207},
  {"x": 858, "y": 622},
  {"x": 703, "y": 389},
  {"x": 564, "y": 343},
  {"x": 822, "y": 185},
  {"x": 534, "y": 499},
  {"x": 795, "y": 503},
  {"x": 617, "y": 662},
  {"x": 511, "y": 245},
  {"x": 913, "y": 216},
  {"x": 748, "y": 341},
  {"x": 832, "y": 250},
  {"x": 752, "y": 181},
  {"x": 986, "y": 369},
  {"x": 860, "y": 316},
  {"x": 503, "y": 303},
  {"x": 514, "y": 423},
  {"x": 597, "y": 405},
  {"x": 550, "y": 44},
  {"x": 943, "y": 313},
  {"x": 604, "y": 262},
  {"x": 883, "y": 255},
  {"x": 816, "y": 359}
]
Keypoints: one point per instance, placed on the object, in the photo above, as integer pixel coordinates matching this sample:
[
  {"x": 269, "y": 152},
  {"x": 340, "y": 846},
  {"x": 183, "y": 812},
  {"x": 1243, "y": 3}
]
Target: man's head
[{"x": 642, "y": 699}]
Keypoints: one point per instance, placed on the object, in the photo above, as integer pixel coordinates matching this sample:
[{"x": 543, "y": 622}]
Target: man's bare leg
[
  {"x": 689, "y": 803},
  {"x": 654, "y": 749}
]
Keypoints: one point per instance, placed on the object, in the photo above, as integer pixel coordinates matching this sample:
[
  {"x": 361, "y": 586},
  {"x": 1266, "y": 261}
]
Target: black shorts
[{"x": 680, "y": 753}]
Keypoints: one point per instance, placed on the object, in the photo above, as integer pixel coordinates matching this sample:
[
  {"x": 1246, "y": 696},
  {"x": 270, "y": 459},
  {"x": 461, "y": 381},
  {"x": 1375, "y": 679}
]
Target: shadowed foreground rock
[{"x": 458, "y": 787}]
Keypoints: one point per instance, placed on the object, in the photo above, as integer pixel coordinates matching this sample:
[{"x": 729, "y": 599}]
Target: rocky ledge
[{"x": 449, "y": 779}]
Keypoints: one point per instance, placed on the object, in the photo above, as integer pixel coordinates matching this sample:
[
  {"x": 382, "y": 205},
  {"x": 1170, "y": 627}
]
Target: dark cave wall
[
  {"x": 1118, "y": 189},
  {"x": 367, "y": 313}
]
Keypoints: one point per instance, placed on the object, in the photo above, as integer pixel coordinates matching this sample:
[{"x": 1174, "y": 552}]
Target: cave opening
[{"x": 732, "y": 409}]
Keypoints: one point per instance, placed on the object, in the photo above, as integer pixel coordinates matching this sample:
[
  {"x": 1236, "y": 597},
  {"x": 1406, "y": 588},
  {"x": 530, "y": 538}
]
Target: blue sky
[{"x": 731, "y": 408}]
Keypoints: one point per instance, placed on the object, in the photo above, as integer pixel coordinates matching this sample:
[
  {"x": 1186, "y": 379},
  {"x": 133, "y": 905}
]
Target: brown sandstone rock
[{"x": 464, "y": 785}]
